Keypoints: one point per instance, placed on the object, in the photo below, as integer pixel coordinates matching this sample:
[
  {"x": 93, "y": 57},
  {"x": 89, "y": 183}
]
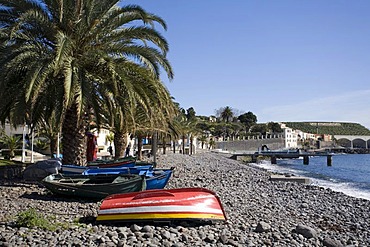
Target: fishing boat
[
  {"x": 117, "y": 170},
  {"x": 158, "y": 178},
  {"x": 155, "y": 178},
  {"x": 183, "y": 204},
  {"x": 74, "y": 169},
  {"x": 94, "y": 186},
  {"x": 125, "y": 161}
]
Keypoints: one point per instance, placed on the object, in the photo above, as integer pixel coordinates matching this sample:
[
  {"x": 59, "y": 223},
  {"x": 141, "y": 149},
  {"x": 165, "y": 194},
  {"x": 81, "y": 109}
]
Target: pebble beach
[{"x": 259, "y": 212}]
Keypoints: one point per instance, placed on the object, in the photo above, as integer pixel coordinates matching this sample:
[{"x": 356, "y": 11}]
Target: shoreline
[
  {"x": 348, "y": 188},
  {"x": 260, "y": 212}
]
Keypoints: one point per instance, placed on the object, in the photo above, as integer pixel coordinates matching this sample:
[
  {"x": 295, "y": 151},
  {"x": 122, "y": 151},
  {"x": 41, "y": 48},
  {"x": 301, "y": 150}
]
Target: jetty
[{"x": 285, "y": 154}]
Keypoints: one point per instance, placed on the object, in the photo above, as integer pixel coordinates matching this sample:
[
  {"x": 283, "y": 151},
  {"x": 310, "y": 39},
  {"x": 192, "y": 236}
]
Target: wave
[{"x": 358, "y": 190}]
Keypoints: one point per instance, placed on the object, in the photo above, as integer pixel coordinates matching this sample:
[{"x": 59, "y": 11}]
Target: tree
[
  {"x": 77, "y": 48},
  {"x": 12, "y": 143},
  {"x": 274, "y": 127},
  {"x": 138, "y": 107},
  {"x": 259, "y": 128},
  {"x": 190, "y": 113},
  {"x": 225, "y": 113},
  {"x": 203, "y": 139},
  {"x": 248, "y": 119}
]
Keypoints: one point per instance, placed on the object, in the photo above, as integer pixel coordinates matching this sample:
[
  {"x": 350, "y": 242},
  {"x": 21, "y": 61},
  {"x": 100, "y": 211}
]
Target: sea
[{"x": 349, "y": 173}]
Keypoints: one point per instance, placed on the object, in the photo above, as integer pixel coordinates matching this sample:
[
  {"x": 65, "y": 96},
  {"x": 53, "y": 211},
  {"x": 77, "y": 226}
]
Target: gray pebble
[{"x": 259, "y": 212}]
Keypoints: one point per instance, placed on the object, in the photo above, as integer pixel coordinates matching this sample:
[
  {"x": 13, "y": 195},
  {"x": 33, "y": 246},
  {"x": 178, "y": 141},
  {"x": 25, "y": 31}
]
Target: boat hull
[
  {"x": 185, "y": 204},
  {"x": 158, "y": 179},
  {"x": 117, "y": 170},
  {"x": 155, "y": 178},
  {"x": 113, "y": 163},
  {"x": 93, "y": 187},
  {"x": 73, "y": 169}
]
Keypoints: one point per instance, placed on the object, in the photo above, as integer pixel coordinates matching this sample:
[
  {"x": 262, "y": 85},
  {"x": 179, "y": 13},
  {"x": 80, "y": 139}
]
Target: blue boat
[
  {"x": 155, "y": 178},
  {"x": 121, "y": 170},
  {"x": 73, "y": 169},
  {"x": 158, "y": 178}
]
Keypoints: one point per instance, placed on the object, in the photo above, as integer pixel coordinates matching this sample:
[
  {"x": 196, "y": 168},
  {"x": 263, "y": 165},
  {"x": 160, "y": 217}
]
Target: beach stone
[
  {"x": 223, "y": 239},
  {"x": 148, "y": 235},
  {"x": 262, "y": 227},
  {"x": 135, "y": 228},
  {"x": 165, "y": 234},
  {"x": 185, "y": 238},
  {"x": 247, "y": 196},
  {"x": 329, "y": 242},
  {"x": 147, "y": 228},
  {"x": 306, "y": 231}
]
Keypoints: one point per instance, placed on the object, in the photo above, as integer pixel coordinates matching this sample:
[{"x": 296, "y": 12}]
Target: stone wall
[
  {"x": 251, "y": 145},
  {"x": 11, "y": 171}
]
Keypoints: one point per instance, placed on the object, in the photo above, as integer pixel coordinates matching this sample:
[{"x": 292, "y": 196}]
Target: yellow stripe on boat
[{"x": 158, "y": 216}]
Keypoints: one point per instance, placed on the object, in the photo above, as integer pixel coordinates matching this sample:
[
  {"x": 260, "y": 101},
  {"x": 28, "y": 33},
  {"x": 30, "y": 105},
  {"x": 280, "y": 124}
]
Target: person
[
  {"x": 92, "y": 147},
  {"x": 127, "y": 153},
  {"x": 110, "y": 150}
]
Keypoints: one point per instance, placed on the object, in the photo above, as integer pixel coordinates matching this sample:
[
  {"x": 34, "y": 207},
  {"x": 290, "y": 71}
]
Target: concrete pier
[
  {"x": 285, "y": 178},
  {"x": 285, "y": 155}
]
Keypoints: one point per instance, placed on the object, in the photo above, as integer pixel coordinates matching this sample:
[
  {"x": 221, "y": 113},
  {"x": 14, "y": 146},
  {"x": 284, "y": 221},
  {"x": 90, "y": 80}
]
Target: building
[{"x": 290, "y": 137}]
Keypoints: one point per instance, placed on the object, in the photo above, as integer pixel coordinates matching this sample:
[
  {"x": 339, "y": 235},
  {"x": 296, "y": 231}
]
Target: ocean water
[{"x": 349, "y": 173}]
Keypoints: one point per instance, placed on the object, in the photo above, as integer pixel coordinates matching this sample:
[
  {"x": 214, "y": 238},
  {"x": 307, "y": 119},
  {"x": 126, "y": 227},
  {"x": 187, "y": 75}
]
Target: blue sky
[{"x": 282, "y": 60}]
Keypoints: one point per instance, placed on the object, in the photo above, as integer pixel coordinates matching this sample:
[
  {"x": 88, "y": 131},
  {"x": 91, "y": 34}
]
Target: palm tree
[
  {"x": 144, "y": 104},
  {"x": 203, "y": 139},
  {"x": 12, "y": 143},
  {"x": 227, "y": 114},
  {"x": 78, "y": 48},
  {"x": 50, "y": 129}
]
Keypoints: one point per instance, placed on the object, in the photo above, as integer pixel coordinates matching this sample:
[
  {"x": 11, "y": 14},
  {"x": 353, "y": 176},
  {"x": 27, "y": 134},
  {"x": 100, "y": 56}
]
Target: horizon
[{"x": 282, "y": 60}]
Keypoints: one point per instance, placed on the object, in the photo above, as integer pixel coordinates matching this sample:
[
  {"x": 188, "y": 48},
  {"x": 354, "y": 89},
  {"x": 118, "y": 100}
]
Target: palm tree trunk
[
  {"x": 191, "y": 146},
  {"x": 74, "y": 139},
  {"x": 174, "y": 146},
  {"x": 164, "y": 144},
  {"x": 154, "y": 147},
  {"x": 53, "y": 146},
  {"x": 183, "y": 144},
  {"x": 139, "y": 146},
  {"x": 119, "y": 144}
]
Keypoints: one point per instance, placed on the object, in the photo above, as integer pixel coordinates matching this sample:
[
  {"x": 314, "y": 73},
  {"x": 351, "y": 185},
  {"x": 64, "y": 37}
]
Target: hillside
[{"x": 331, "y": 128}]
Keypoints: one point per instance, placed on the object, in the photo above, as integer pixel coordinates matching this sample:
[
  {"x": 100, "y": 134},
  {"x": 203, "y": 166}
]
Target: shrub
[{"x": 31, "y": 218}]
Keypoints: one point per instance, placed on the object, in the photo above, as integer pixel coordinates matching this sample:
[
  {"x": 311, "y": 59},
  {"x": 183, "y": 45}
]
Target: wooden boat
[
  {"x": 118, "y": 163},
  {"x": 155, "y": 178},
  {"x": 158, "y": 178},
  {"x": 73, "y": 169},
  {"x": 94, "y": 186},
  {"x": 117, "y": 170},
  {"x": 185, "y": 204},
  {"x": 126, "y": 161}
]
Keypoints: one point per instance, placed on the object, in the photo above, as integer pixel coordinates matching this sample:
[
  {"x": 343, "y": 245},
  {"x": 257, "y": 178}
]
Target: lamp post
[{"x": 24, "y": 144}]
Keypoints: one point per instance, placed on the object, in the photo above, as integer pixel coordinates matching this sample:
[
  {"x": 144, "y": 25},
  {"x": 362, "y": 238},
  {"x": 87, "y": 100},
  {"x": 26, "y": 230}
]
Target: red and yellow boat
[{"x": 194, "y": 204}]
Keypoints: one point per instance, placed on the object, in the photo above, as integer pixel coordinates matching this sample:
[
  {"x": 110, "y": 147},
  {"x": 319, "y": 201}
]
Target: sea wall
[
  {"x": 251, "y": 145},
  {"x": 11, "y": 171}
]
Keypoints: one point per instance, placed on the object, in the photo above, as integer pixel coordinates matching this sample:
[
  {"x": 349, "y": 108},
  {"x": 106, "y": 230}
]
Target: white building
[{"x": 290, "y": 137}]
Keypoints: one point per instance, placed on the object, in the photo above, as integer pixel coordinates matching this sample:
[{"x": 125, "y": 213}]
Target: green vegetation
[
  {"x": 7, "y": 162},
  {"x": 12, "y": 143},
  {"x": 329, "y": 128},
  {"x": 69, "y": 64},
  {"x": 32, "y": 219}
]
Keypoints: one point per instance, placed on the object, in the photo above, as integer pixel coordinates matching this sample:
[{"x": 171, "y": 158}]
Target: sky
[{"x": 306, "y": 60}]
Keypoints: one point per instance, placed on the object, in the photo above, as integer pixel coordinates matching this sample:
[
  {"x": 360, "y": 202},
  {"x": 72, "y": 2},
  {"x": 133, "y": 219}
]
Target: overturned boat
[{"x": 184, "y": 204}]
